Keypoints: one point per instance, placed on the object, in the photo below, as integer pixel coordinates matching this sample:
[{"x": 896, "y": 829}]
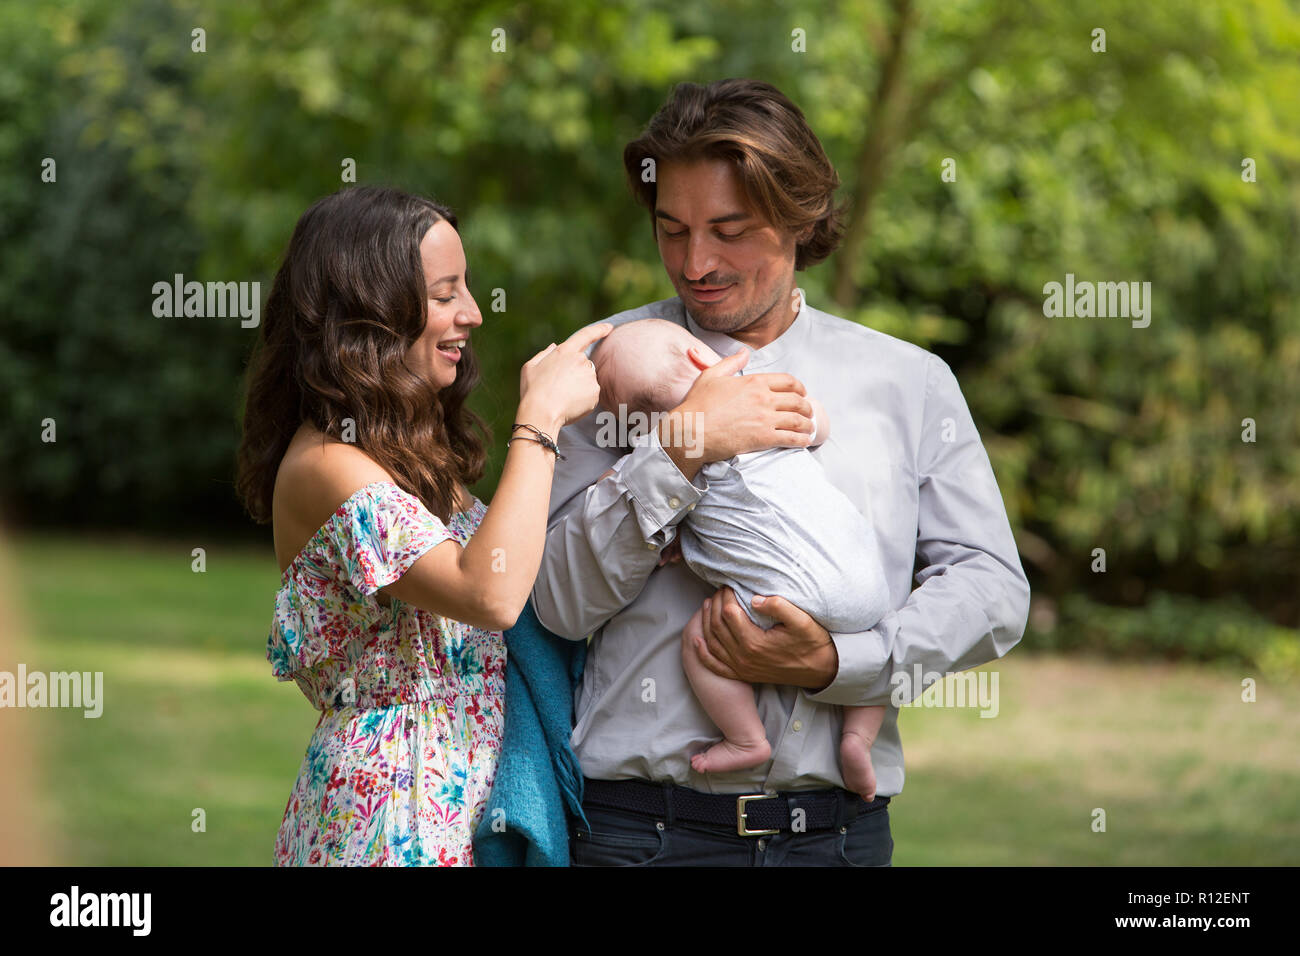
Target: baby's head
[{"x": 643, "y": 366}]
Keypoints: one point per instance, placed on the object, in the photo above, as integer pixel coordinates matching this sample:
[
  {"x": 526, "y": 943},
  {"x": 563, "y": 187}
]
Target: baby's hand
[
  {"x": 671, "y": 554},
  {"x": 823, "y": 423}
]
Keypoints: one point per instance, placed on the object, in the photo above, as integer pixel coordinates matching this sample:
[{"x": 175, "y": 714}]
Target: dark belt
[{"x": 752, "y": 814}]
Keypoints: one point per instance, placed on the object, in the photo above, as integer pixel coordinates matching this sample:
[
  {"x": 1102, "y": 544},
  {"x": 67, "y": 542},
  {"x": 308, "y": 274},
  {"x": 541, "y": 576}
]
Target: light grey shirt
[
  {"x": 903, "y": 448},
  {"x": 772, "y": 524}
]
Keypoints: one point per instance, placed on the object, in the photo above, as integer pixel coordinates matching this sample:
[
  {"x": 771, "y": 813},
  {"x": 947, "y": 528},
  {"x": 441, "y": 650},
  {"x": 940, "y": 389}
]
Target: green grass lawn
[{"x": 1185, "y": 771}]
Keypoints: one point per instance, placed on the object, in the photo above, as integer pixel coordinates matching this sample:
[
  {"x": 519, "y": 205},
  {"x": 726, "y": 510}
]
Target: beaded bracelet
[
  {"x": 542, "y": 438},
  {"x": 539, "y": 441}
]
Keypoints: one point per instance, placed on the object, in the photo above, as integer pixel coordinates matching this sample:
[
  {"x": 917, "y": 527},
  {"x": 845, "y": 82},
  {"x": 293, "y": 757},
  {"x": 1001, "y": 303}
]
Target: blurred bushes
[
  {"x": 1173, "y": 626},
  {"x": 143, "y": 408}
]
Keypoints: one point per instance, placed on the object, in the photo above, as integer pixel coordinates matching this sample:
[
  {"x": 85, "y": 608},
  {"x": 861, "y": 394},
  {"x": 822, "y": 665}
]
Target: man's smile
[{"x": 708, "y": 293}]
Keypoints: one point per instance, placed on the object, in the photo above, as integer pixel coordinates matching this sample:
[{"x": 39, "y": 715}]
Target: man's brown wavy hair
[
  {"x": 777, "y": 156},
  {"x": 346, "y": 306}
]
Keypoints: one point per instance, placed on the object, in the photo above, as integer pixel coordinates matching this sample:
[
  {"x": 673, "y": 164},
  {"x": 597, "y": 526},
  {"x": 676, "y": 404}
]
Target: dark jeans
[{"x": 623, "y": 838}]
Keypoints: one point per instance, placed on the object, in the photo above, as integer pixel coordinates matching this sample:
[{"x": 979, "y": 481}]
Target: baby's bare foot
[
  {"x": 855, "y": 765},
  {"x": 726, "y": 755}
]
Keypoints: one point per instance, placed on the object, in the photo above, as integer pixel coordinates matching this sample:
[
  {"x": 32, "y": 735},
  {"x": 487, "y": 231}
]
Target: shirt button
[
  {"x": 674, "y": 502},
  {"x": 797, "y": 726}
]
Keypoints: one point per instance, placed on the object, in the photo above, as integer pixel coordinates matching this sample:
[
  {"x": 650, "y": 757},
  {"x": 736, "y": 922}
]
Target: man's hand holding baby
[
  {"x": 738, "y": 414},
  {"x": 797, "y": 651}
]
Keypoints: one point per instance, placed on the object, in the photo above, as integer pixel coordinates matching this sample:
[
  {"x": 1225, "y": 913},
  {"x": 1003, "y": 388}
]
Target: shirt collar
[{"x": 771, "y": 353}]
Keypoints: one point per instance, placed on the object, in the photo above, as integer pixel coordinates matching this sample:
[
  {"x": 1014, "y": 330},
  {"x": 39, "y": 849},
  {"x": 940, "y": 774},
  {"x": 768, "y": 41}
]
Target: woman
[{"x": 396, "y": 581}]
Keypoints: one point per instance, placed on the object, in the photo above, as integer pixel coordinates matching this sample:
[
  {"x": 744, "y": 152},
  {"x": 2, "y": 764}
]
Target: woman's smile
[{"x": 450, "y": 349}]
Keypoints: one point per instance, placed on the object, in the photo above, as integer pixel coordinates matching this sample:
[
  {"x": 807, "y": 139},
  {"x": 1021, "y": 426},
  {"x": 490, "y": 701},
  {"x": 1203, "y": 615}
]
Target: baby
[{"x": 770, "y": 524}]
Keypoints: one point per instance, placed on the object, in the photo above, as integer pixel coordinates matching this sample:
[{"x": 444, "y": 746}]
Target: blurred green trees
[{"x": 1122, "y": 164}]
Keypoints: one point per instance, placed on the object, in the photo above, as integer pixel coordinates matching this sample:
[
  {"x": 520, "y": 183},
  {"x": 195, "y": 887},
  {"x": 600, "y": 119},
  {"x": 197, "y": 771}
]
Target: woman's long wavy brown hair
[{"x": 347, "y": 304}]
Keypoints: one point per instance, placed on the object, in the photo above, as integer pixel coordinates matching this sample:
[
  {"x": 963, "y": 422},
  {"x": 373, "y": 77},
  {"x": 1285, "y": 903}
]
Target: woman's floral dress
[{"x": 401, "y": 763}]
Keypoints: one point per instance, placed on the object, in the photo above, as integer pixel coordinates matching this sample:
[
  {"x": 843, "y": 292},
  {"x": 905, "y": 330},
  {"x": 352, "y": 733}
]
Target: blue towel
[{"x": 538, "y": 775}]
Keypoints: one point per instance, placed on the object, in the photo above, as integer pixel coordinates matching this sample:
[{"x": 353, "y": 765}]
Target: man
[{"x": 741, "y": 195}]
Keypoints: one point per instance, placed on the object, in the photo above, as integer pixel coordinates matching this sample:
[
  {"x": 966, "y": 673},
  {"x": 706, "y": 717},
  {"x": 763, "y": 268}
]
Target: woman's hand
[{"x": 558, "y": 384}]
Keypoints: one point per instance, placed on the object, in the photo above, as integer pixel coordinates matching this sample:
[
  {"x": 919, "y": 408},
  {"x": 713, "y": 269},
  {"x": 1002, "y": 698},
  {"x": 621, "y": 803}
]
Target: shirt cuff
[
  {"x": 661, "y": 495},
  {"x": 862, "y": 679}
]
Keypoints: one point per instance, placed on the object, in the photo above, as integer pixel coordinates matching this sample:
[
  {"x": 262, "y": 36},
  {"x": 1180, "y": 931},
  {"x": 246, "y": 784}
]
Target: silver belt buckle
[{"x": 741, "y": 802}]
